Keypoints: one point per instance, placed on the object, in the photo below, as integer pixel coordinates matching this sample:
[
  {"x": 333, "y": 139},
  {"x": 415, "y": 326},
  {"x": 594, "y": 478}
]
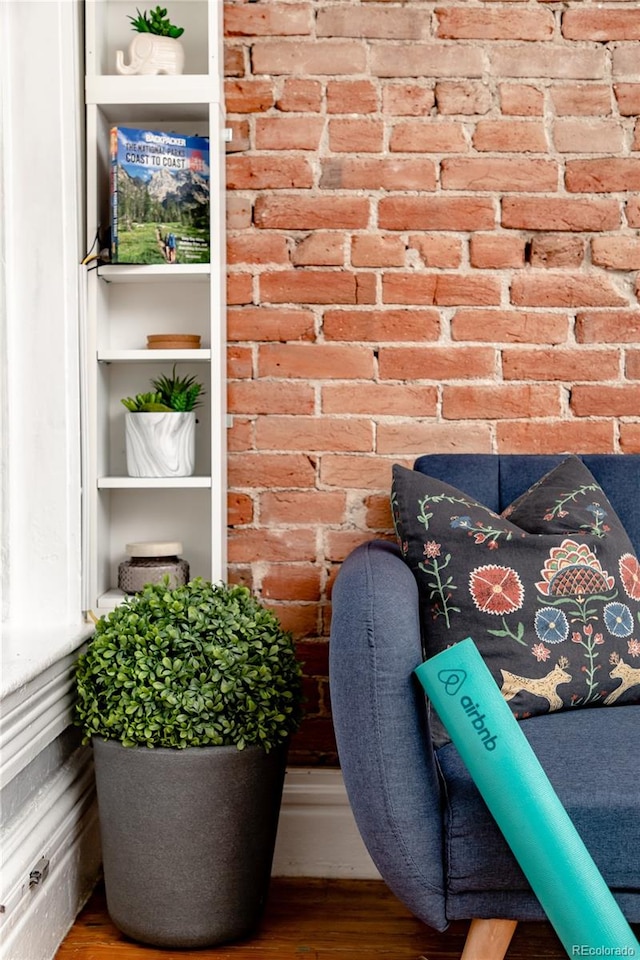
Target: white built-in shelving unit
[{"x": 125, "y": 303}]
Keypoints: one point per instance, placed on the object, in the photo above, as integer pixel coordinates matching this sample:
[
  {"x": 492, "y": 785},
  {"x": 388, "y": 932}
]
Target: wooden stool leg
[{"x": 488, "y": 939}]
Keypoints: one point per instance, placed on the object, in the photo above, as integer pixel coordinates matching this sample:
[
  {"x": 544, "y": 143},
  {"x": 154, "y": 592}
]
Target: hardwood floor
[{"x": 312, "y": 920}]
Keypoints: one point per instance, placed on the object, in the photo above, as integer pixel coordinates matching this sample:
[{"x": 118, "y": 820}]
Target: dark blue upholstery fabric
[
  {"x": 420, "y": 815},
  {"x": 589, "y": 759},
  {"x": 497, "y": 479}
]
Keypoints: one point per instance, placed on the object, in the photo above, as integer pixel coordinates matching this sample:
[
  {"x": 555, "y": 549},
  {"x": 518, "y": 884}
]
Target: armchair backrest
[{"x": 497, "y": 479}]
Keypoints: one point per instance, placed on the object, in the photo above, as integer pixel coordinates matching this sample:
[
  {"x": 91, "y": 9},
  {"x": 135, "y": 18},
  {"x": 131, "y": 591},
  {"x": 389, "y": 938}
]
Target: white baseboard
[
  {"x": 317, "y": 835},
  {"x": 62, "y": 828}
]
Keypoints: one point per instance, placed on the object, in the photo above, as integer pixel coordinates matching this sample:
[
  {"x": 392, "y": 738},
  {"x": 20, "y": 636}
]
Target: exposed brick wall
[{"x": 432, "y": 245}]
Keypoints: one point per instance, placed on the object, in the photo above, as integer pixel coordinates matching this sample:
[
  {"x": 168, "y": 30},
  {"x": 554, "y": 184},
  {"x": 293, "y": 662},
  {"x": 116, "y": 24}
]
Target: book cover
[{"x": 159, "y": 197}]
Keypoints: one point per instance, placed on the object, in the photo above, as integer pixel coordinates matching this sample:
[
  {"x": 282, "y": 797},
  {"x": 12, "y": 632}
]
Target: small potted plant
[
  {"x": 160, "y": 427},
  {"x": 189, "y": 697},
  {"x": 155, "y": 48}
]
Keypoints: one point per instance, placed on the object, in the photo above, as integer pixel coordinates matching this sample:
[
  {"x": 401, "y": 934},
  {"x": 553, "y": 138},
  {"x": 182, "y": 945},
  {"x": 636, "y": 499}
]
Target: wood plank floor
[{"x": 312, "y": 920}]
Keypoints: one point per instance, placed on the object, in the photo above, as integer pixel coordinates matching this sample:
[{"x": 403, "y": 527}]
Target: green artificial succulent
[
  {"x": 156, "y": 21},
  {"x": 201, "y": 665},
  {"x": 172, "y": 394}
]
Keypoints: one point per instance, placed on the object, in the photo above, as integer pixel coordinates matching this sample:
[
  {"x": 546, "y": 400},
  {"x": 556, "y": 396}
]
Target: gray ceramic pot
[{"x": 187, "y": 839}]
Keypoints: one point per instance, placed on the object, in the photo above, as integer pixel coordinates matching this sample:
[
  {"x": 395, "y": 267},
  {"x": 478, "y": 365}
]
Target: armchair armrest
[{"x": 381, "y": 726}]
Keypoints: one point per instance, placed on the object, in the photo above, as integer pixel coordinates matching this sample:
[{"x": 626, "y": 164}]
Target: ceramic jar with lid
[{"x": 150, "y": 561}]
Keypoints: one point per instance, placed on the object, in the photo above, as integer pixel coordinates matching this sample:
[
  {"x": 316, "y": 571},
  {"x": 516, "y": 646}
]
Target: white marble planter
[{"x": 160, "y": 444}]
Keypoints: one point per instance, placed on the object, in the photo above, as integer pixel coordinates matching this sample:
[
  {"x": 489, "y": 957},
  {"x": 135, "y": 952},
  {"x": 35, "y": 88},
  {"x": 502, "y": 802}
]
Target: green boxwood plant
[{"x": 200, "y": 665}]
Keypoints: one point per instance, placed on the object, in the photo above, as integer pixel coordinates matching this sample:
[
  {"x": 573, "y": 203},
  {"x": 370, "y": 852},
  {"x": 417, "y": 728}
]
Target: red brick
[
  {"x": 309, "y": 58},
  {"x": 630, "y": 437},
  {"x": 464, "y": 23},
  {"x": 317, "y": 213},
  {"x": 239, "y": 362},
  {"x": 428, "y": 136},
  {"x": 621, "y": 400},
  {"x": 300, "y": 96},
  {"x": 378, "y": 515},
  {"x": 625, "y": 61},
  {"x": 351, "y": 135},
  {"x": 601, "y": 24},
  {"x": 368, "y": 173},
  {"x": 496, "y": 251},
  {"x": 557, "y": 250},
  {"x": 521, "y": 100},
  {"x": 559, "y": 364},
  {"x": 308, "y": 286},
  {"x": 604, "y": 175},
  {"x": 407, "y": 99},
  {"x": 510, "y": 136},
  {"x": 291, "y": 581},
  {"x": 233, "y": 61},
  {"x": 632, "y": 367},
  {"x": 545, "y": 213},
  {"x": 309, "y": 507},
  {"x": 415, "y": 438},
  {"x": 288, "y": 133},
  {"x": 268, "y": 396},
  {"x": 382, "y": 399},
  {"x": 322, "y": 248},
  {"x": 238, "y": 213},
  {"x": 617, "y": 253},
  {"x": 269, "y": 323},
  {"x": 240, "y": 136},
  {"x": 628, "y": 98},
  {"x": 632, "y": 211},
  {"x": 373, "y": 250},
  {"x": 381, "y": 325},
  {"x": 559, "y": 436},
  {"x": 565, "y": 290},
  {"x": 437, "y": 250},
  {"x": 548, "y": 61},
  {"x": 239, "y": 509},
  {"x": 436, "y": 213},
  {"x": 581, "y": 99},
  {"x": 378, "y": 23},
  {"x": 240, "y": 435},
  {"x": 501, "y": 401},
  {"x": 499, "y": 173},
  {"x": 351, "y": 96},
  {"x": 267, "y": 173},
  {"x": 320, "y": 361},
  {"x": 588, "y": 136},
  {"x": 363, "y": 472},
  {"x": 248, "y": 96},
  {"x": 271, "y": 545},
  {"x": 277, "y": 19},
  {"x": 434, "y": 59},
  {"x": 257, "y": 249},
  {"x": 314, "y": 433},
  {"x": 270, "y": 470},
  {"x": 610, "y": 326},
  {"x": 509, "y": 326},
  {"x": 239, "y": 288},
  {"x": 441, "y": 289},
  {"x": 466, "y": 97},
  {"x": 436, "y": 363}
]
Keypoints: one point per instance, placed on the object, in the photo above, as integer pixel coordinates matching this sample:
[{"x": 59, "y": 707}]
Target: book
[{"x": 159, "y": 197}]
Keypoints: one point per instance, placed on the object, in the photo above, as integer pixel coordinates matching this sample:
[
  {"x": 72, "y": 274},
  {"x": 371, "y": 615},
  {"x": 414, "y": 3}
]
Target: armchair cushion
[{"x": 550, "y": 593}]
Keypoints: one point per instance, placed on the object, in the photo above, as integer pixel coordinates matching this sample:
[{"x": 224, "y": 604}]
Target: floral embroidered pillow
[{"x": 549, "y": 592}]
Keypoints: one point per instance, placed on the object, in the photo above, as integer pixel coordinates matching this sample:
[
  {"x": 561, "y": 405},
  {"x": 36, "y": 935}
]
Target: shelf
[
  {"x": 152, "y": 356},
  {"x": 110, "y": 600},
  {"x": 154, "y": 272},
  {"x": 186, "y": 89},
  {"x": 153, "y": 483}
]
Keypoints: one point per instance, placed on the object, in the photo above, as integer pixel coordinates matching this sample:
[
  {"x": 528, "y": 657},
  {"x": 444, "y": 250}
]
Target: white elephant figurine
[{"x": 150, "y": 54}]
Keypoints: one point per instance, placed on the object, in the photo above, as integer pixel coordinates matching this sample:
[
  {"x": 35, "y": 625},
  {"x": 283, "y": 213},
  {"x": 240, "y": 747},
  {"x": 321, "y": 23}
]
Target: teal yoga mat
[{"x": 517, "y": 791}]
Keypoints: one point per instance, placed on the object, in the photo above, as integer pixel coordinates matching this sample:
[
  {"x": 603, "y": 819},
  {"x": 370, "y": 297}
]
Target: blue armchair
[{"x": 418, "y": 811}]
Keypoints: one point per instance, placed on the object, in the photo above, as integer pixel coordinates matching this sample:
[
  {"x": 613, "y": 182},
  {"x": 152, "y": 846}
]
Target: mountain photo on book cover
[{"x": 159, "y": 197}]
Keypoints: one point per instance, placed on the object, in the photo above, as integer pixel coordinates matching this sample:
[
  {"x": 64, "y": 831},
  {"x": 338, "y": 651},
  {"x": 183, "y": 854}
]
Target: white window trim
[{"x": 41, "y": 245}]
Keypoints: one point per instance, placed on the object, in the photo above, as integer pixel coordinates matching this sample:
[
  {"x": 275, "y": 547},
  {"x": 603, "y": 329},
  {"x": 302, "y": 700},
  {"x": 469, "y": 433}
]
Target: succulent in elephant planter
[
  {"x": 160, "y": 428},
  {"x": 155, "y": 48},
  {"x": 189, "y": 697}
]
